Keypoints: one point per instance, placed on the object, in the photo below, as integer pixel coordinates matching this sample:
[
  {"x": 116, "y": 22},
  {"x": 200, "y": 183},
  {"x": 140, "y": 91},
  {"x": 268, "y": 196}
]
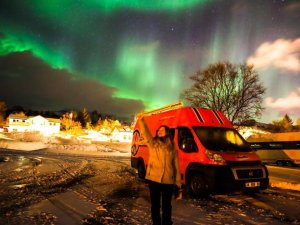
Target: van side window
[{"x": 186, "y": 140}]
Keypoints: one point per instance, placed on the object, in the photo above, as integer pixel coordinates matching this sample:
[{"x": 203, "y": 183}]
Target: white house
[
  {"x": 36, "y": 123},
  {"x": 121, "y": 134},
  {"x": 18, "y": 123}
]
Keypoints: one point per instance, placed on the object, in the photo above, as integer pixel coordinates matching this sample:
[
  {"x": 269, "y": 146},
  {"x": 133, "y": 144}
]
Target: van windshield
[{"x": 221, "y": 139}]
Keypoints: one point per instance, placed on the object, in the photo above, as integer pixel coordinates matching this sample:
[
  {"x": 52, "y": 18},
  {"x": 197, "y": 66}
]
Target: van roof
[{"x": 188, "y": 116}]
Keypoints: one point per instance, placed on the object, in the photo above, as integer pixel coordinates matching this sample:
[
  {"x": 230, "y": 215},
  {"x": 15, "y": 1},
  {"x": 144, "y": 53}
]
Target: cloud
[
  {"x": 289, "y": 105},
  {"x": 30, "y": 82},
  {"x": 282, "y": 54}
]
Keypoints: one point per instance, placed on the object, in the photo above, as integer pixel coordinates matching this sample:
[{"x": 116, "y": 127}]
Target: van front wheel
[{"x": 198, "y": 186}]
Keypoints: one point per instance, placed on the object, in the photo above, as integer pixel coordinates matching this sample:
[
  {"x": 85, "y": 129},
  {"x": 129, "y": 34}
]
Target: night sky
[{"x": 124, "y": 56}]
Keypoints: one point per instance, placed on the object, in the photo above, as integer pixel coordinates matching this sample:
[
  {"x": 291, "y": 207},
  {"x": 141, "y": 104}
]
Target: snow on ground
[
  {"x": 284, "y": 185},
  {"x": 4, "y": 137},
  {"x": 27, "y": 146},
  {"x": 68, "y": 144},
  {"x": 71, "y": 145}
]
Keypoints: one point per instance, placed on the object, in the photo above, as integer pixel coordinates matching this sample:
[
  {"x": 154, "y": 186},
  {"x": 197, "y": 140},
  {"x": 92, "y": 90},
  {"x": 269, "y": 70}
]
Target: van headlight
[{"x": 214, "y": 156}]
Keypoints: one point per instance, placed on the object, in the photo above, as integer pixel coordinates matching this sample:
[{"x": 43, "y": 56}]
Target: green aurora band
[
  {"x": 17, "y": 42},
  {"x": 54, "y": 7},
  {"x": 141, "y": 71},
  {"x": 141, "y": 66}
]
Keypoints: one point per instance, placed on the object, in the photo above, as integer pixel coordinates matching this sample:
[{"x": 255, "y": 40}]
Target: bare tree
[{"x": 232, "y": 89}]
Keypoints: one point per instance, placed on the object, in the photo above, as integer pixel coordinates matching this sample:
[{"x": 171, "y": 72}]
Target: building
[
  {"x": 121, "y": 134},
  {"x": 36, "y": 123}
]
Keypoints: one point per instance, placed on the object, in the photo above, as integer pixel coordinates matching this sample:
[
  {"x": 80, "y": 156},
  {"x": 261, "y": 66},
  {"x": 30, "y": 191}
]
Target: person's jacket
[{"x": 163, "y": 164}]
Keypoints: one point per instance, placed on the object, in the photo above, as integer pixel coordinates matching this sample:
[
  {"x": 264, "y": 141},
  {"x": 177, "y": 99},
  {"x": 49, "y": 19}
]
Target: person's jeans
[{"x": 160, "y": 192}]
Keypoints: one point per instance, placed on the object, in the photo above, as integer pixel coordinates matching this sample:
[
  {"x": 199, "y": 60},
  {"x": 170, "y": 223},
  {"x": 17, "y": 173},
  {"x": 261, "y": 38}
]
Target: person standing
[{"x": 162, "y": 172}]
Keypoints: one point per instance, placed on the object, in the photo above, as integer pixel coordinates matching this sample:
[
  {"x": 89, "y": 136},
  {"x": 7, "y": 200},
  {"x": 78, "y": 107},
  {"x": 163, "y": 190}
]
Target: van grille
[{"x": 248, "y": 173}]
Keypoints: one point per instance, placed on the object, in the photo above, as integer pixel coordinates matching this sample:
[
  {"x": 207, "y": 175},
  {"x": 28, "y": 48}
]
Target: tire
[
  {"x": 141, "y": 171},
  {"x": 198, "y": 186}
]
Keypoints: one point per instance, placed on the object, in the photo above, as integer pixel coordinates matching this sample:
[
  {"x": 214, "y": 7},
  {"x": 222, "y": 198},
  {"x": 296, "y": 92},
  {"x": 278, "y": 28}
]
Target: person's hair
[
  {"x": 167, "y": 129},
  {"x": 168, "y": 138}
]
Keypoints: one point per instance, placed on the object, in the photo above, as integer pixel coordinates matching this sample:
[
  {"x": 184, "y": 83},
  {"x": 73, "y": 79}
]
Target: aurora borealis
[{"x": 124, "y": 56}]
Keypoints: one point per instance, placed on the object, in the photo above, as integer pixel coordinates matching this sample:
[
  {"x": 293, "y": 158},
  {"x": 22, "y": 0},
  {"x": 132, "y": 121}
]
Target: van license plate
[{"x": 252, "y": 184}]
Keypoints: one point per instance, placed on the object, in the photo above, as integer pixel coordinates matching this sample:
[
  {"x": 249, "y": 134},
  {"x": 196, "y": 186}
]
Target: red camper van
[{"x": 214, "y": 157}]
